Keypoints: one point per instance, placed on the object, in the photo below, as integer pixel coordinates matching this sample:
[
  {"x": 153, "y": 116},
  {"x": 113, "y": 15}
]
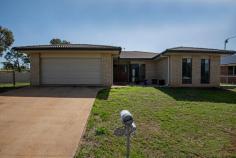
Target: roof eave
[
  {"x": 33, "y": 50},
  {"x": 199, "y": 51},
  {"x": 135, "y": 58},
  {"x": 192, "y": 51},
  {"x": 43, "y": 49}
]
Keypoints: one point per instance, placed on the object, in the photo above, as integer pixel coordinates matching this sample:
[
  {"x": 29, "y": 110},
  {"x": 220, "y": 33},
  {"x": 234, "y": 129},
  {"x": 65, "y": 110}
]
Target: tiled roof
[
  {"x": 67, "y": 47},
  {"x": 124, "y": 54},
  {"x": 199, "y": 50},
  {"x": 228, "y": 60},
  {"x": 137, "y": 55}
]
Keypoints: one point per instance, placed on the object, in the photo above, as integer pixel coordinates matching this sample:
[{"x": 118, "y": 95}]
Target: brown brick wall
[
  {"x": 228, "y": 79},
  {"x": 225, "y": 77},
  {"x": 232, "y": 80},
  {"x": 224, "y": 70}
]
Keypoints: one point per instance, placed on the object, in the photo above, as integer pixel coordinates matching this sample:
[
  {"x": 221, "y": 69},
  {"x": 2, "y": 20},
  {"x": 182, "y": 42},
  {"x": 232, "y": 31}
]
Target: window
[
  {"x": 232, "y": 70},
  {"x": 186, "y": 70},
  {"x": 205, "y": 71},
  {"x": 142, "y": 72},
  {"x": 137, "y": 73}
]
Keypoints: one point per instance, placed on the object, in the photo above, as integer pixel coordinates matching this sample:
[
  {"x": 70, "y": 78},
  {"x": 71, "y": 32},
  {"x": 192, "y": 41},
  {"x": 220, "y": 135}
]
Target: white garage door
[{"x": 71, "y": 71}]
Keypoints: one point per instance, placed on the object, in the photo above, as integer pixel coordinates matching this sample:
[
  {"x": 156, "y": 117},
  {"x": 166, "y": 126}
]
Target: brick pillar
[{"x": 35, "y": 69}]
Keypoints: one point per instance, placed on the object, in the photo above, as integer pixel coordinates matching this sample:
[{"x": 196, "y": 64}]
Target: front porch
[
  {"x": 139, "y": 72},
  {"x": 129, "y": 73}
]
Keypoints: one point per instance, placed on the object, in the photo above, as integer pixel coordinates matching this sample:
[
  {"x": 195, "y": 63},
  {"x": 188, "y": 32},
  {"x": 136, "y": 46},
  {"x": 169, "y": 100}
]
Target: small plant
[{"x": 101, "y": 131}]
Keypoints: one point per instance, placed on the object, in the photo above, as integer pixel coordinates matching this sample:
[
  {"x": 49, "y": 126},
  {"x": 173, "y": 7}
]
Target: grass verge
[{"x": 9, "y": 86}]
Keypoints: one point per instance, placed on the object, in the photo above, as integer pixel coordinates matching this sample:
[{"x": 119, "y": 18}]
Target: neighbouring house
[
  {"x": 228, "y": 70},
  {"x": 82, "y": 64}
]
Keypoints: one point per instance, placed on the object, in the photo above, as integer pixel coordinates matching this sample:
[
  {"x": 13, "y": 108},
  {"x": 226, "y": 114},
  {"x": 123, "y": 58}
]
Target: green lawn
[
  {"x": 9, "y": 86},
  {"x": 171, "y": 122}
]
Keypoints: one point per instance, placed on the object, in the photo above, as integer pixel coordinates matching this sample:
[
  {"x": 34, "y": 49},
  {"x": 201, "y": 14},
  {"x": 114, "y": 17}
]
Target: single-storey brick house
[
  {"x": 81, "y": 64},
  {"x": 228, "y": 70}
]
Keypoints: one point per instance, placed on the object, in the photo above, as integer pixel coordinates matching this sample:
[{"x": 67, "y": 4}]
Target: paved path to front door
[{"x": 44, "y": 121}]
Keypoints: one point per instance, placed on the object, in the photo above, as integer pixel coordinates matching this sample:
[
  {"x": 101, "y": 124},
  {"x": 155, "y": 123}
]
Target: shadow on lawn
[
  {"x": 216, "y": 95},
  {"x": 5, "y": 89},
  {"x": 229, "y": 87},
  {"x": 103, "y": 94}
]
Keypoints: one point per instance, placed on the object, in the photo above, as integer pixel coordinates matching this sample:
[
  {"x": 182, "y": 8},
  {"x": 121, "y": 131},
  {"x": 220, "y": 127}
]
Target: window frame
[
  {"x": 206, "y": 77},
  {"x": 233, "y": 71},
  {"x": 230, "y": 72},
  {"x": 187, "y": 81}
]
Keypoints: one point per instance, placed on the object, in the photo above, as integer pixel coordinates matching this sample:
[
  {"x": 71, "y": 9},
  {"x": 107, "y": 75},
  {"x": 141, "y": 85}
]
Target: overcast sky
[{"x": 145, "y": 25}]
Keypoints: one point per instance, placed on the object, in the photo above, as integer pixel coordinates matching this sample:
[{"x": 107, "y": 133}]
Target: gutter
[{"x": 42, "y": 49}]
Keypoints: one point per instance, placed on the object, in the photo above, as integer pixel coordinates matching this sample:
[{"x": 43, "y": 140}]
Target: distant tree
[
  {"x": 16, "y": 61},
  {"x": 55, "y": 41},
  {"x": 6, "y": 39},
  {"x": 59, "y": 41},
  {"x": 65, "y": 42}
]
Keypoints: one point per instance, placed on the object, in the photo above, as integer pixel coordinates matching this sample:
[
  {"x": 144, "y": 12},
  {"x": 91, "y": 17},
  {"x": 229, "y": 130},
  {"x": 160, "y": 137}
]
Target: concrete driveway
[{"x": 43, "y": 122}]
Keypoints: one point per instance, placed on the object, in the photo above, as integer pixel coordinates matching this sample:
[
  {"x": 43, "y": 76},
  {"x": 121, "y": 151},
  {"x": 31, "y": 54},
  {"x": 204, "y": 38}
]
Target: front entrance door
[
  {"x": 134, "y": 73},
  {"x": 124, "y": 73},
  {"x": 137, "y": 73},
  {"x": 121, "y": 73}
]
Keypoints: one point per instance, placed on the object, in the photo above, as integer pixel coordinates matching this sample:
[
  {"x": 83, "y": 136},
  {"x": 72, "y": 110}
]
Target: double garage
[
  {"x": 55, "y": 70},
  {"x": 71, "y": 64}
]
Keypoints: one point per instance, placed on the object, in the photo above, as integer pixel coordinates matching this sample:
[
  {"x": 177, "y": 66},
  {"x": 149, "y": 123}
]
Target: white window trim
[{"x": 234, "y": 74}]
